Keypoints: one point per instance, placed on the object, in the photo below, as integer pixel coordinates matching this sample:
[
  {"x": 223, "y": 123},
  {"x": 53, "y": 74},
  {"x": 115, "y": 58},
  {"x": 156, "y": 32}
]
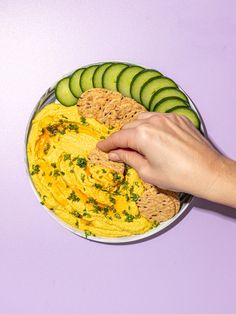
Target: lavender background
[{"x": 43, "y": 267}]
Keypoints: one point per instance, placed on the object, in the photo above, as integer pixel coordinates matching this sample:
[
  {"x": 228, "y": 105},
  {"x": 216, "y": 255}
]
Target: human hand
[{"x": 168, "y": 151}]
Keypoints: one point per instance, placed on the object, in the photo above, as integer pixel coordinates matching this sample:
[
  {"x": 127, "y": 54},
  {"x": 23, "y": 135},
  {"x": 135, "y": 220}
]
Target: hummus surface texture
[{"x": 95, "y": 199}]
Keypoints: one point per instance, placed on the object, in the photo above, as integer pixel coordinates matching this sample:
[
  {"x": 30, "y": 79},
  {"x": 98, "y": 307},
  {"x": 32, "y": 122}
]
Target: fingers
[
  {"x": 146, "y": 115},
  {"x": 120, "y": 139},
  {"x": 130, "y": 157}
]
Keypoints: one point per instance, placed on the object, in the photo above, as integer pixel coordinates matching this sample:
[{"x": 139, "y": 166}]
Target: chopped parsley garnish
[
  {"x": 73, "y": 127},
  {"x": 127, "y": 197},
  {"x": 82, "y": 176},
  {"x": 67, "y": 157},
  {"x": 104, "y": 171},
  {"x": 56, "y": 173},
  {"x": 53, "y": 164},
  {"x": 83, "y": 120},
  {"x": 102, "y": 137},
  {"x": 76, "y": 214},
  {"x": 112, "y": 200},
  {"x": 46, "y": 148},
  {"x": 64, "y": 117},
  {"x": 52, "y": 129},
  {"x": 129, "y": 218},
  {"x": 116, "y": 176},
  {"x": 35, "y": 169},
  {"x": 134, "y": 197},
  {"x": 117, "y": 216},
  {"x": 98, "y": 186},
  {"x": 87, "y": 233},
  {"x": 92, "y": 200},
  {"x": 73, "y": 197},
  {"x": 50, "y": 184},
  {"x": 81, "y": 162}
]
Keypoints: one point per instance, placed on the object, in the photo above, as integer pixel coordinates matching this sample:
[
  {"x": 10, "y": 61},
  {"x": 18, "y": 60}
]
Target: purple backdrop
[{"x": 46, "y": 269}]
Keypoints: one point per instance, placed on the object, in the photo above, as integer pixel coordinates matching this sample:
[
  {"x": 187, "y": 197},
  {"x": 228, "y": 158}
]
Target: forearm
[{"x": 223, "y": 188}]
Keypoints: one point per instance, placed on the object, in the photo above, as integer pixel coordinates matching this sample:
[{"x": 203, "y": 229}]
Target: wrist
[{"x": 222, "y": 182}]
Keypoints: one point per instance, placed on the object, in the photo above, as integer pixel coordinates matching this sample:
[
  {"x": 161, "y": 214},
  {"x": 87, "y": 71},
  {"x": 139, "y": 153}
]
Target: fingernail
[{"x": 113, "y": 157}]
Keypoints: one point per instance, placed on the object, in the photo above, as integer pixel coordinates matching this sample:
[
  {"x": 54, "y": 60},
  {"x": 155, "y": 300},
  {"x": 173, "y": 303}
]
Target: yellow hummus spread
[{"x": 92, "y": 198}]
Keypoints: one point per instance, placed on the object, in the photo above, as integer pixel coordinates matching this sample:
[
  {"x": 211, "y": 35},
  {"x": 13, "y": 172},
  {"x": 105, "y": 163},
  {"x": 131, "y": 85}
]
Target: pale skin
[{"x": 169, "y": 152}]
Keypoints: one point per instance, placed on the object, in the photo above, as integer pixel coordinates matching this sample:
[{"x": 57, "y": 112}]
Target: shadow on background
[{"x": 214, "y": 207}]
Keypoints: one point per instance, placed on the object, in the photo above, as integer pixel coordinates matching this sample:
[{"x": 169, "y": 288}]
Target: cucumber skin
[
  {"x": 135, "y": 77},
  {"x": 119, "y": 76},
  {"x": 172, "y": 110},
  {"x": 100, "y": 65},
  {"x": 89, "y": 67},
  {"x": 149, "y": 81},
  {"x": 170, "y": 98},
  {"x": 120, "y": 63},
  {"x": 151, "y": 106},
  {"x": 79, "y": 83},
  {"x": 58, "y": 97}
]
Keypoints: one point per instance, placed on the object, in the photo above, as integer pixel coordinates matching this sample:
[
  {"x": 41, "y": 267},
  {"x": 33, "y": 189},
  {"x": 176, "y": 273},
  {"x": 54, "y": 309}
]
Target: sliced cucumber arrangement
[
  {"x": 168, "y": 103},
  {"x": 86, "y": 79},
  {"x": 125, "y": 78},
  {"x": 63, "y": 93},
  {"x": 109, "y": 78},
  {"x": 152, "y": 86},
  {"x": 148, "y": 87},
  {"x": 190, "y": 114},
  {"x": 164, "y": 93},
  {"x": 97, "y": 76},
  {"x": 139, "y": 80},
  {"x": 74, "y": 83}
]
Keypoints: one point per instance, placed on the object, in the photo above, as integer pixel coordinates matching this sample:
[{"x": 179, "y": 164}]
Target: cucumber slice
[
  {"x": 125, "y": 78},
  {"x": 74, "y": 83},
  {"x": 111, "y": 74},
  {"x": 164, "y": 93},
  {"x": 63, "y": 93},
  {"x": 187, "y": 113},
  {"x": 97, "y": 76},
  {"x": 86, "y": 79},
  {"x": 168, "y": 103},
  {"x": 139, "y": 80},
  {"x": 152, "y": 86}
]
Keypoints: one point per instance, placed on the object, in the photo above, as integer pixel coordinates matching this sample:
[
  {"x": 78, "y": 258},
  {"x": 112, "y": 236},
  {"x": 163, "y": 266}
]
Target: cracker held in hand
[
  {"x": 158, "y": 205},
  {"x": 99, "y": 158},
  {"x": 108, "y": 107}
]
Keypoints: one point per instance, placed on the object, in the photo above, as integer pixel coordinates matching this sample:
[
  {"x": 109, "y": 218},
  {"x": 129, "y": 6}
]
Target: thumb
[{"x": 129, "y": 157}]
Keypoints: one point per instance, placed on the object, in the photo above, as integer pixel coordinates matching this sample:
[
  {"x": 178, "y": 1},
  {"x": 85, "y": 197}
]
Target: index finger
[{"x": 122, "y": 139}]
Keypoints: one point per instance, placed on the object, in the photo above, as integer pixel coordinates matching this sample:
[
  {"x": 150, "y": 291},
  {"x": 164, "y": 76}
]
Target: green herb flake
[
  {"x": 116, "y": 176},
  {"x": 73, "y": 197},
  {"x": 56, "y": 173},
  {"x": 112, "y": 200},
  {"x": 73, "y": 127},
  {"x": 134, "y": 197},
  {"x": 35, "y": 169},
  {"x": 81, "y": 162},
  {"x": 67, "y": 157},
  {"x": 46, "y": 148},
  {"x": 82, "y": 176},
  {"x": 52, "y": 129},
  {"x": 53, "y": 164},
  {"x": 87, "y": 233},
  {"x": 83, "y": 120},
  {"x": 91, "y": 200},
  {"x": 102, "y": 137},
  {"x": 104, "y": 171},
  {"x": 64, "y": 117},
  {"x": 98, "y": 186}
]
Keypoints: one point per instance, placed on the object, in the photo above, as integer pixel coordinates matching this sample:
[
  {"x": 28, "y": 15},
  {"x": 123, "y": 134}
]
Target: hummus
[{"x": 94, "y": 199}]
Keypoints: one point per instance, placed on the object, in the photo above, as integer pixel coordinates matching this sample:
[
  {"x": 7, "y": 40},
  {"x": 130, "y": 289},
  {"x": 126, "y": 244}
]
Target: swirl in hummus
[{"x": 95, "y": 199}]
